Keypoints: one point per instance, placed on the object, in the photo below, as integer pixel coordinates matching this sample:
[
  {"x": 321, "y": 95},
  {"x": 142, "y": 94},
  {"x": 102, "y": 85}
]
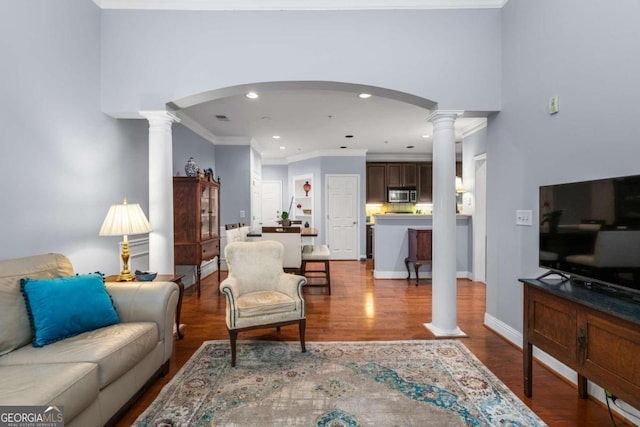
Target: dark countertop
[{"x": 606, "y": 299}]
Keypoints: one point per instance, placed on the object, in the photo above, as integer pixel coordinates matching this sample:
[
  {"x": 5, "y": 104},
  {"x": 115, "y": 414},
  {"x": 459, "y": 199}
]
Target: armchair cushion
[{"x": 264, "y": 302}]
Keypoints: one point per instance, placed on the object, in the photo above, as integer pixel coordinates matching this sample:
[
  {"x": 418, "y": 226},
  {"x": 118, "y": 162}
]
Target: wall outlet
[
  {"x": 523, "y": 217},
  {"x": 242, "y": 214}
]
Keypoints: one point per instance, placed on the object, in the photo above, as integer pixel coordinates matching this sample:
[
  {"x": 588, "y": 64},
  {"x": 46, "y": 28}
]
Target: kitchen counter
[{"x": 391, "y": 244}]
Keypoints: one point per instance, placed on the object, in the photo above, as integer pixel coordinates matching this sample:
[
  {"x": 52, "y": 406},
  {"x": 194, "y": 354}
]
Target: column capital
[
  {"x": 444, "y": 114},
  {"x": 160, "y": 116}
]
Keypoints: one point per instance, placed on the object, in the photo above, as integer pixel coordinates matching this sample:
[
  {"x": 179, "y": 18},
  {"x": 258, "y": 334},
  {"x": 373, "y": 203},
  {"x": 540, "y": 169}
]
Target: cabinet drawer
[{"x": 210, "y": 249}]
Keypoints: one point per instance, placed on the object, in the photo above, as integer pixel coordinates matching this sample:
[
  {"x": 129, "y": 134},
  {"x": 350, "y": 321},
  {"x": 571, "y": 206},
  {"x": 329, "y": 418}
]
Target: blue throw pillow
[{"x": 67, "y": 306}]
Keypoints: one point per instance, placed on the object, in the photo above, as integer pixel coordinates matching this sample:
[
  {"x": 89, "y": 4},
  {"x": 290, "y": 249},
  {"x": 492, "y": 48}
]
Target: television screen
[{"x": 590, "y": 230}]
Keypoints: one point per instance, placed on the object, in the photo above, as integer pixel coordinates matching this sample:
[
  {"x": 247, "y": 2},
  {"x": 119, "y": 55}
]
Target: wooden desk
[
  {"x": 175, "y": 278},
  {"x": 594, "y": 333}
]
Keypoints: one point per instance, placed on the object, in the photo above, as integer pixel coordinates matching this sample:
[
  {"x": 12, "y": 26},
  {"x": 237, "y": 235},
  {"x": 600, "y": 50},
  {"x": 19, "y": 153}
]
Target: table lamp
[{"x": 124, "y": 220}]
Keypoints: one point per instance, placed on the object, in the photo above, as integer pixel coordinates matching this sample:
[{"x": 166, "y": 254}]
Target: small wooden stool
[{"x": 317, "y": 254}]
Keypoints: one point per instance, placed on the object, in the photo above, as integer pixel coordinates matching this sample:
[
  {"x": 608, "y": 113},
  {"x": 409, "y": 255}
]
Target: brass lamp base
[
  {"x": 125, "y": 277},
  {"x": 125, "y": 274}
]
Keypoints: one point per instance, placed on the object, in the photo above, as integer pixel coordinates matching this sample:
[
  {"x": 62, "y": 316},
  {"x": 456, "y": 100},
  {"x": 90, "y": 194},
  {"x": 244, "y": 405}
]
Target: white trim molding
[{"x": 298, "y": 4}]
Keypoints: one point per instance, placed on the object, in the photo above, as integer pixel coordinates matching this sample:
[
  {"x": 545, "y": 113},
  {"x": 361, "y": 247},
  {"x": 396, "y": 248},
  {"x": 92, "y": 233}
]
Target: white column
[
  {"x": 160, "y": 190},
  {"x": 444, "y": 312}
]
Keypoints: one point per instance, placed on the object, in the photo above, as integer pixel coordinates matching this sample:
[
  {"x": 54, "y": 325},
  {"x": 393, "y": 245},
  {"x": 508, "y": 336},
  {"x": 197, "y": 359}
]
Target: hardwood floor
[{"x": 363, "y": 309}]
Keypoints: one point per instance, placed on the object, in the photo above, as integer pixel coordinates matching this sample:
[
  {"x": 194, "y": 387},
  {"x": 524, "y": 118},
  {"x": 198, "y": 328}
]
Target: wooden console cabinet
[
  {"x": 594, "y": 333},
  {"x": 196, "y": 222}
]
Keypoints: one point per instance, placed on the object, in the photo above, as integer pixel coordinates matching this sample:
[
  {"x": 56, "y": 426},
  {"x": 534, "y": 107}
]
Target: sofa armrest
[{"x": 147, "y": 302}]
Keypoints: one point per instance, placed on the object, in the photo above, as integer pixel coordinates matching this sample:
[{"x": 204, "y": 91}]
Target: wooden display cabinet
[{"x": 196, "y": 222}]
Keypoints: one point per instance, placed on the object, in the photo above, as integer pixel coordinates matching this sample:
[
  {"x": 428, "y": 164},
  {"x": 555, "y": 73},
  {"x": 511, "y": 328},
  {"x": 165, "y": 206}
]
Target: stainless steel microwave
[{"x": 401, "y": 194}]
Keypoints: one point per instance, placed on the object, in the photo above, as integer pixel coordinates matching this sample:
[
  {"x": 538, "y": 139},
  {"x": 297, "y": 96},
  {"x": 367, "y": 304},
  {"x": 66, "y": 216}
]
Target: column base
[{"x": 445, "y": 333}]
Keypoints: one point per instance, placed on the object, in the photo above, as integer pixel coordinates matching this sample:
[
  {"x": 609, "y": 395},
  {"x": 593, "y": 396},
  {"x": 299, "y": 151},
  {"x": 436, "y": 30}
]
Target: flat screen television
[{"x": 590, "y": 231}]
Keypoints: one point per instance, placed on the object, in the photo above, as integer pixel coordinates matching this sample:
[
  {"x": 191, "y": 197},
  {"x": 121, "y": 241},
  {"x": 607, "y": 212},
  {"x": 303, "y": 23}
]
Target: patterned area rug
[{"x": 392, "y": 383}]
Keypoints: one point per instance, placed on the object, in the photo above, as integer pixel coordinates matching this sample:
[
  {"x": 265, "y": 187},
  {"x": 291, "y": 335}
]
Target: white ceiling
[
  {"x": 313, "y": 117},
  {"x": 310, "y": 118}
]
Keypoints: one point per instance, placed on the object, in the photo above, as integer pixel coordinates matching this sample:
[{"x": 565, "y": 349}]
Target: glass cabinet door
[
  {"x": 205, "y": 210},
  {"x": 213, "y": 219}
]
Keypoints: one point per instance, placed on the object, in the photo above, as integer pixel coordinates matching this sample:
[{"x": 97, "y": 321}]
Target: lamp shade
[
  {"x": 459, "y": 185},
  {"x": 124, "y": 220}
]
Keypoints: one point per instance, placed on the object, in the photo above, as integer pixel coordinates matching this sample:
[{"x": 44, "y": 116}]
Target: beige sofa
[{"x": 94, "y": 375}]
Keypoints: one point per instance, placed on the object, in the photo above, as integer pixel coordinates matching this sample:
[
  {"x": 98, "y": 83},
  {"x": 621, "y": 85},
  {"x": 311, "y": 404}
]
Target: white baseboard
[
  {"x": 554, "y": 365},
  {"x": 378, "y": 274}
]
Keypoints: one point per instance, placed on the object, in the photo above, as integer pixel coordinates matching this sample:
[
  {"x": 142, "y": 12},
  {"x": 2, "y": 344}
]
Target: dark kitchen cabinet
[
  {"x": 376, "y": 183},
  {"x": 401, "y": 175},
  {"x": 425, "y": 181}
]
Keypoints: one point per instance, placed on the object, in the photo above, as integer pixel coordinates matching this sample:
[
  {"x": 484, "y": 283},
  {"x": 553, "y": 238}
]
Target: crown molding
[
  {"x": 313, "y": 155},
  {"x": 196, "y": 127},
  {"x": 298, "y": 4},
  {"x": 474, "y": 126}
]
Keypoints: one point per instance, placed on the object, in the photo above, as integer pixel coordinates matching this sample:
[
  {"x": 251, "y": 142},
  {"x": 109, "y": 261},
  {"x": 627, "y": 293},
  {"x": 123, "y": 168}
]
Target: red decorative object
[{"x": 307, "y": 188}]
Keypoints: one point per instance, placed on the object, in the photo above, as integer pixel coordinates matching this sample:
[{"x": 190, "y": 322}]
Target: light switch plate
[
  {"x": 554, "y": 106},
  {"x": 523, "y": 217}
]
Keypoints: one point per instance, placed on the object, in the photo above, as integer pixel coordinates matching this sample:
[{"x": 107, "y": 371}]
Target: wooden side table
[{"x": 175, "y": 278}]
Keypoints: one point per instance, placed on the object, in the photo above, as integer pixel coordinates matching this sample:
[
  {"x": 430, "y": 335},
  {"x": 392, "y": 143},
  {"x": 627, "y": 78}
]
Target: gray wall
[
  {"x": 63, "y": 162},
  {"x": 187, "y": 143},
  {"x": 590, "y": 60},
  {"x": 422, "y": 52},
  {"x": 233, "y": 165}
]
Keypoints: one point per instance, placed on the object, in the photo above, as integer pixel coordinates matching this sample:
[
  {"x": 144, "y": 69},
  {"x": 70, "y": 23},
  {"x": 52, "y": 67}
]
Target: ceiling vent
[{"x": 222, "y": 118}]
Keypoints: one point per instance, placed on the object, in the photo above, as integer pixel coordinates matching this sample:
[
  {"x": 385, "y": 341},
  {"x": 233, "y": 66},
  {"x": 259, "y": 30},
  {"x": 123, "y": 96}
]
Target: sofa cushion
[
  {"x": 115, "y": 348},
  {"x": 16, "y": 329},
  {"x": 66, "y": 306},
  {"x": 74, "y": 385}
]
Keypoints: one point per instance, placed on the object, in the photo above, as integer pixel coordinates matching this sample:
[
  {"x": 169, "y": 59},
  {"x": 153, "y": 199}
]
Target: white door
[
  {"x": 271, "y": 202},
  {"x": 480, "y": 221},
  {"x": 342, "y": 216}
]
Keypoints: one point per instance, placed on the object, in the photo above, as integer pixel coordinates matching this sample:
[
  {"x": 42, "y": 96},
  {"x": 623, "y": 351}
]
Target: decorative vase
[
  {"x": 191, "y": 168},
  {"x": 306, "y": 187},
  {"x": 286, "y": 222}
]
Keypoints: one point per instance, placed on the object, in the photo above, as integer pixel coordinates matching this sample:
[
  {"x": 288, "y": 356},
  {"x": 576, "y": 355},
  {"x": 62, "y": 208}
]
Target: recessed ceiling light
[
  {"x": 276, "y": 137},
  {"x": 251, "y": 95},
  {"x": 365, "y": 95},
  {"x": 348, "y": 136},
  {"x": 343, "y": 146},
  {"x": 410, "y": 146},
  {"x": 425, "y": 136},
  {"x": 282, "y": 147}
]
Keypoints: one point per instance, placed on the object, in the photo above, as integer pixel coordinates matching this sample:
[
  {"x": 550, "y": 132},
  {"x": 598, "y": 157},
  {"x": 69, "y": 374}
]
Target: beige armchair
[{"x": 258, "y": 292}]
